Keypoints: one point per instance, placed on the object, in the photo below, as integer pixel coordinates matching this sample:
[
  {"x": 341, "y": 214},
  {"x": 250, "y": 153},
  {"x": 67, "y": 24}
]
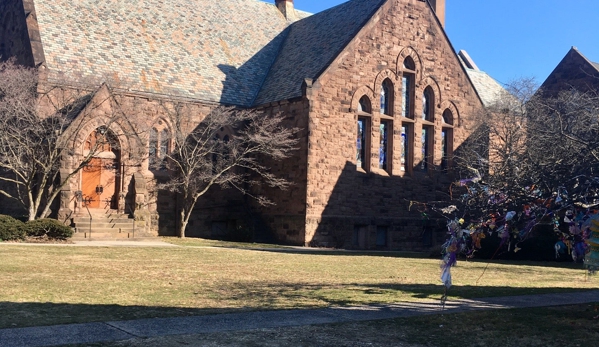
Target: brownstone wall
[
  {"x": 19, "y": 33},
  {"x": 574, "y": 71},
  {"x": 286, "y": 218},
  {"x": 346, "y": 205}
]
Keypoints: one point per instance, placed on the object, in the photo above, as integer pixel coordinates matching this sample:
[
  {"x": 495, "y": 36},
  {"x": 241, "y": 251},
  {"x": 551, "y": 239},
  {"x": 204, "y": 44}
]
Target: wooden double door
[{"x": 100, "y": 178}]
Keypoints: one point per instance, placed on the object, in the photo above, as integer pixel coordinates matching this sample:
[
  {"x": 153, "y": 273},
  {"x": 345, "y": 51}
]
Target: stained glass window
[
  {"x": 426, "y": 105},
  {"x": 425, "y": 148},
  {"x": 406, "y": 95},
  {"x": 361, "y": 144},
  {"x": 153, "y": 147},
  {"x": 404, "y": 147},
  {"x": 385, "y": 97},
  {"x": 444, "y": 148},
  {"x": 383, "y": 149},
  {"x": 164, "y": 139}
]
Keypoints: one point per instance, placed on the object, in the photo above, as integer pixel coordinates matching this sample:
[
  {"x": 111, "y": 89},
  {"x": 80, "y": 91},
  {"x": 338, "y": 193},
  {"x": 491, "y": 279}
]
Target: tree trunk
[{"x": 182, "y": 224}]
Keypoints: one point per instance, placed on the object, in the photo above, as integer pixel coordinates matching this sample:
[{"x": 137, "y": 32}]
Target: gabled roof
[
  {"x": 488, "y": 89},
  {"x": 311, "y": 45},
  {"x": 216, "y": 51},
  {"x": 573, "y": 71}
]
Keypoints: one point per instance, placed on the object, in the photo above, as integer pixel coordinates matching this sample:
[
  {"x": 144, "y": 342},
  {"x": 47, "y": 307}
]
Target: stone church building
[{"x": 379, "y": 92}]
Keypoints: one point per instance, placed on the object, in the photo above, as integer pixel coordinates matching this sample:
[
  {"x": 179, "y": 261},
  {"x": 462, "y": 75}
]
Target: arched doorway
[{"x": 100, "y": 178}]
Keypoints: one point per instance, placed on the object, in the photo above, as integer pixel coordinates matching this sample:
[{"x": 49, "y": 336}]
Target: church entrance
[{"x": 100, "y": 178}]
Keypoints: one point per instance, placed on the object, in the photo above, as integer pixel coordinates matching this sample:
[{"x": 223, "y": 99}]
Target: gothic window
[
  {"x": 363, "y": 134},
  {"x": 153, "y": 147},
  {"x": 405, "y": 147},
  {"x": 363, "y": 143},
  {"x": 446, "y": 139},
  {"x": 447, "y": 117},
  {"x": 385, "y": 129},
  {"x": 364, "y": 105},
  {"x": 407, "y": 87},
  {"x": 406, "y": 95},
  {"x": 386, "y": 97},
  {"x": 427, "y": 150},
  {"x": 159, "y": 145},
  {"x": 428, "y": 105}
]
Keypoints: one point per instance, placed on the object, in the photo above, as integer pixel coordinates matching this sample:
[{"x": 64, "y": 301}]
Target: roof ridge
[{"x": 274, "y": 60}]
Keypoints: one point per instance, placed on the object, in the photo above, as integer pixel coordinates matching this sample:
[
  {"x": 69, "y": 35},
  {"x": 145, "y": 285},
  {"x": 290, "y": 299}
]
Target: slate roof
[
  {"x": 311, "y": 45},
  {"x": 596, "y": 66},
  {"x": 218, "y": 51},
  {"x": 486, "y": 86}
]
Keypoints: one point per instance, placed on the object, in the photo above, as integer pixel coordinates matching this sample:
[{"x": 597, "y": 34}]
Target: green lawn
[{"x": 44, "y": 285}]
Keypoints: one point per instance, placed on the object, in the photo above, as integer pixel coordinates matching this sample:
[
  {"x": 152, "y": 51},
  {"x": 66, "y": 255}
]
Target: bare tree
[
  {"x": 39, "y": 124},
  {"x": 229, "y": 148},
  {"x": 532, "y": 158}
]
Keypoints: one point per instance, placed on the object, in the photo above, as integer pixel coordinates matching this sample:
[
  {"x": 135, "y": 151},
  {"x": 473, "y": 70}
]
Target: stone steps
[{"x": 105, "y": 225}]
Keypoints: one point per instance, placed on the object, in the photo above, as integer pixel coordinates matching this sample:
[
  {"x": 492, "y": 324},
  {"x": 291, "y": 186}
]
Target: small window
[
  {"x": 447, "y": 117},
  {"x": 364, "y": 105},
  {"x": 408, "y": 64},
  {"x": 385, "y": 129}
]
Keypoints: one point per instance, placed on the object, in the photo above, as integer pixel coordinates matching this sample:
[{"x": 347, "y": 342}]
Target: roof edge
[{"x": 352, "y": 38}]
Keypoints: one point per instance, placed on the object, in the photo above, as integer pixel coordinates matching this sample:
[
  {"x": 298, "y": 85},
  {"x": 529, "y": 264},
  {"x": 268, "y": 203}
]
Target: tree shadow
[{"x": 245, "y": 297}]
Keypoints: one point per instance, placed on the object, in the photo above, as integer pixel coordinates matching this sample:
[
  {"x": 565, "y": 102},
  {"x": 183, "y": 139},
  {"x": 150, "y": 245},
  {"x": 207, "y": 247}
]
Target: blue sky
[{"x": 514, "y": 38}]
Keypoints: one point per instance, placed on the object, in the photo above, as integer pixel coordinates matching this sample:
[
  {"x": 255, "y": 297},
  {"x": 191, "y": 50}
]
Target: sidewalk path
[
  {"x": 99, "y": 243},
  {"x": 124, "y": 330}
]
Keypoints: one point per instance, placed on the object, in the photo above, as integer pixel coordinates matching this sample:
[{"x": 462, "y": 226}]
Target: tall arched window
[
  {"x": 153, "y": 147},
  {"x": 363, "y": 134},
  {"x": 386, "y": 97},
  {"x": 407, "y": 87},
  {"x": 408, "y": 81},
  {"x": 447, "y": 139},
  {"x": 159, "y": 144},
  {"x": 428, "y": 105}
]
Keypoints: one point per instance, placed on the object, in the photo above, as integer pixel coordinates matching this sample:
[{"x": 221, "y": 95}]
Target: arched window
[
  {"x": 408, "y": 64},
  {"x": 386, "y": 97},
  {"x": 159, "y": 145},
  {"x": 447, "y": 139},
  {"x": 407, "y": 87},
  {"x": 408, "y": 81},
  {"x": 363, "y": 134},
  {"x": 447, "y": 117},
  {"x": 428, "y": 105},
  {"x": 153, "y": 147},
  {"x": 364, "y": 105},
  {"x": 385, "y": 138}
]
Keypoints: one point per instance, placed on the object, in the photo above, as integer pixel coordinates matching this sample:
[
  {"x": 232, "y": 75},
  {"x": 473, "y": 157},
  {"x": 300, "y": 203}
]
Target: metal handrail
[
  {"x": 90, "y": 220},
  {"x": 132, "y": 212}
]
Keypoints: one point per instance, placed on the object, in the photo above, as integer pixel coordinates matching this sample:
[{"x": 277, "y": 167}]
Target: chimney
[
  {"x": 439, "y": 7},
  {"x": 286, "y": 8}
]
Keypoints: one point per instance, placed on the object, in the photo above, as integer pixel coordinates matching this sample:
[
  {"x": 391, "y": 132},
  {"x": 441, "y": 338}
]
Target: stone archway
[{"x": 100, "y": 178}]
